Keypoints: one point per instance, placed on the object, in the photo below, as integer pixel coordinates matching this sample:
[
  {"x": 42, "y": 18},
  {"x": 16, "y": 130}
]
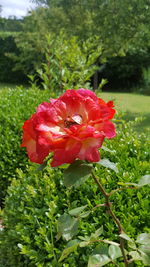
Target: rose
[{"x": 72, "y": 127}]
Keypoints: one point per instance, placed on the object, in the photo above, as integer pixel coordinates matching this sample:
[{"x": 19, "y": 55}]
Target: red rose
[{"x": 72, "y": 127}]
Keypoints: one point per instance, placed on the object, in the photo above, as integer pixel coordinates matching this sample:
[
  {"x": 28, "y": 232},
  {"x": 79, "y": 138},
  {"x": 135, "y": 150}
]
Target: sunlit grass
[
  {"x": 135, "y": 103},
  {"x": 132, "y": 105}
]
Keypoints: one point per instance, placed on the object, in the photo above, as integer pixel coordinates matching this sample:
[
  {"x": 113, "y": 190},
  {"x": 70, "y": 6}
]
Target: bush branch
[{"x": 115, "y": 219}]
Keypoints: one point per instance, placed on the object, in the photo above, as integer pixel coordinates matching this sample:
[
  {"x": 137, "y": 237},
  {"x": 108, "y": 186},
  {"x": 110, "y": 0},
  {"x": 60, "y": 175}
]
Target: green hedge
[
  {"x": 37, "y": 198},
  {"x": 16, "y": 106}
]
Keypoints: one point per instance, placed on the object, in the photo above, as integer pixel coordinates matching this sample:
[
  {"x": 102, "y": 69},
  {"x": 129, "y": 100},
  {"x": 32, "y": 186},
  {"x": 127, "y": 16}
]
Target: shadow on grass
[{"x": 142, "y": 125}]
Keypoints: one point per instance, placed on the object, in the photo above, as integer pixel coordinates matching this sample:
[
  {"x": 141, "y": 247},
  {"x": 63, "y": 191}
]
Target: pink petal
[
  {"x": 109, "y": 129},
  {"x": 89, "y": 150},
  {"x": 67, "y": 154},
  {"x": 87, "y": 93}
]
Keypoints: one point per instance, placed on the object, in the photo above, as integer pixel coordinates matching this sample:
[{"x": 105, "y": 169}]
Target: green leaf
[
  {"x": 132, "y": 245},
  {"x": 100, "y": 256},
  {"x": 145, "y": 180},
  {"x": 126, "y": 237},
  {"x": 71, "y": 247},
  {"x": 108, "y": 164},
  {"x": 85, "y": 214},
  {"x": 114, "y": 252},
  {"x": 89, "y": 239},
  {"x": 143, "y": 239},
  {"x": 98, "y": 260},
  {"x": 84, "y": 244},
  {"x": 97, "y": 233},
  {"x": 145, "y": 254},
  {"x": 85, "y": 238},
  {"x": 135, "y": 255},
  {"x": 77, "y": 173},
  {"x": 64, "y": 166},
  {"x": 67, "y": 227},
  {"x": 77, "y": 211},
  {"x": 101, "y": 249}
]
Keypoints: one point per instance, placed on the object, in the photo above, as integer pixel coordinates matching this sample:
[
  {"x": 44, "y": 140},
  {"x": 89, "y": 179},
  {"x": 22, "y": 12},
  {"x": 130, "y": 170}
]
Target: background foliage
[{"x": 121, "y": 28}]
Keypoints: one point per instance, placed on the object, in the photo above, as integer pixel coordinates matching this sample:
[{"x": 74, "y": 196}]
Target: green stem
[{"x": 116, "y": 220}]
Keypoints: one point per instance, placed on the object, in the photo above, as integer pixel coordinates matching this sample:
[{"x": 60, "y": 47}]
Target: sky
[{"x": 16, "y": 8}]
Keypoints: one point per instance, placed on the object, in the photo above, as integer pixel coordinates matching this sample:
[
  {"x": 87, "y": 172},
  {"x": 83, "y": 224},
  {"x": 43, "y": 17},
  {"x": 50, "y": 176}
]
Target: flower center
[{"x": 75, "y": 119}]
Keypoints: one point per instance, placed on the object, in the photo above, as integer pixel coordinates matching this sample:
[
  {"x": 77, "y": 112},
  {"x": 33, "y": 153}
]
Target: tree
[
  {"x": 119, "y": 24},
  {"x": 121, "y": 27}
]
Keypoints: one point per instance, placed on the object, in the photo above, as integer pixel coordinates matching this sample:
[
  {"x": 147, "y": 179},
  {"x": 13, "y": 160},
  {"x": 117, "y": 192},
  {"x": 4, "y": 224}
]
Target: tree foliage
[
  {"x": 118, "y": 25},
  {"x": 121, "y": 27}
]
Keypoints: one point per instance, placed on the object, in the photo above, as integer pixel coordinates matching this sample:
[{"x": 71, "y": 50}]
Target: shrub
[
  {"x": 15, "y": 107},
  {"x": 36, "y": 200}
]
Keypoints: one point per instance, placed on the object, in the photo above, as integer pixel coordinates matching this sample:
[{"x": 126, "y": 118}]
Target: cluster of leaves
[
  {"x": 42, "y": 217},
  {"x": 105, "y": 19},
  {"x": 16, "y": 106},
  {"x": 75, "y": 175},
  {"x": 68, "y": 64}
]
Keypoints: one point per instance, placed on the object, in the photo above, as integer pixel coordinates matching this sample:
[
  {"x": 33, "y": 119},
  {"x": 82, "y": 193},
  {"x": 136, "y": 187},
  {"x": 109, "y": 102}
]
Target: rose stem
[{"x": 116, "y": 220}]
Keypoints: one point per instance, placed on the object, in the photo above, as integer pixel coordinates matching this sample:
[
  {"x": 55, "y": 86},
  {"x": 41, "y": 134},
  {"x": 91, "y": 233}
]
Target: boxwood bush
[
  {"x": 16, "y": 105},
  {"x": 37, "y": 198}
]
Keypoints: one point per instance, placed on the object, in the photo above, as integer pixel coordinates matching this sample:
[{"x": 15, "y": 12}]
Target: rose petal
[{"x": 67, "y": 154}]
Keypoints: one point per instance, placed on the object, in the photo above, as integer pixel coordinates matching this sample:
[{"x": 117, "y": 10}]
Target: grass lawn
[{"x": 133, "y": 105}]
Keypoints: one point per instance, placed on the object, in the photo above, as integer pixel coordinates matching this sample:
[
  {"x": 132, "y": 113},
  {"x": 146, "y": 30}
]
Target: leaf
[
  {"x": 101, "y": 249},
  {"x": 135, "y": 255},
  {"x": 71, "y": 247},
  {"x": 126, "y": 237},
  {"x": 132, "y": 245},
  {"x": 98, "y": 260},
  {"x": 67, "y": 226},
  {"x": 114, "y": 252},
  {"x": 145, "y": 180},
  {"x": 145, "y": 254},
  {"x": 63, "y": 166},
  {"x": 77, "y": 173},
  {"x": 85, "y": 214},
  {"x": 108, "y": 164},
  {"x": 77, "y": 211},
  {"x": 97, "y": 233},
  {"x": 143, "y": 239},
  {"x": 84, "y": 244},
  {"x": 94, "y": 236},
  {"x": 100, "y": 256}
]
